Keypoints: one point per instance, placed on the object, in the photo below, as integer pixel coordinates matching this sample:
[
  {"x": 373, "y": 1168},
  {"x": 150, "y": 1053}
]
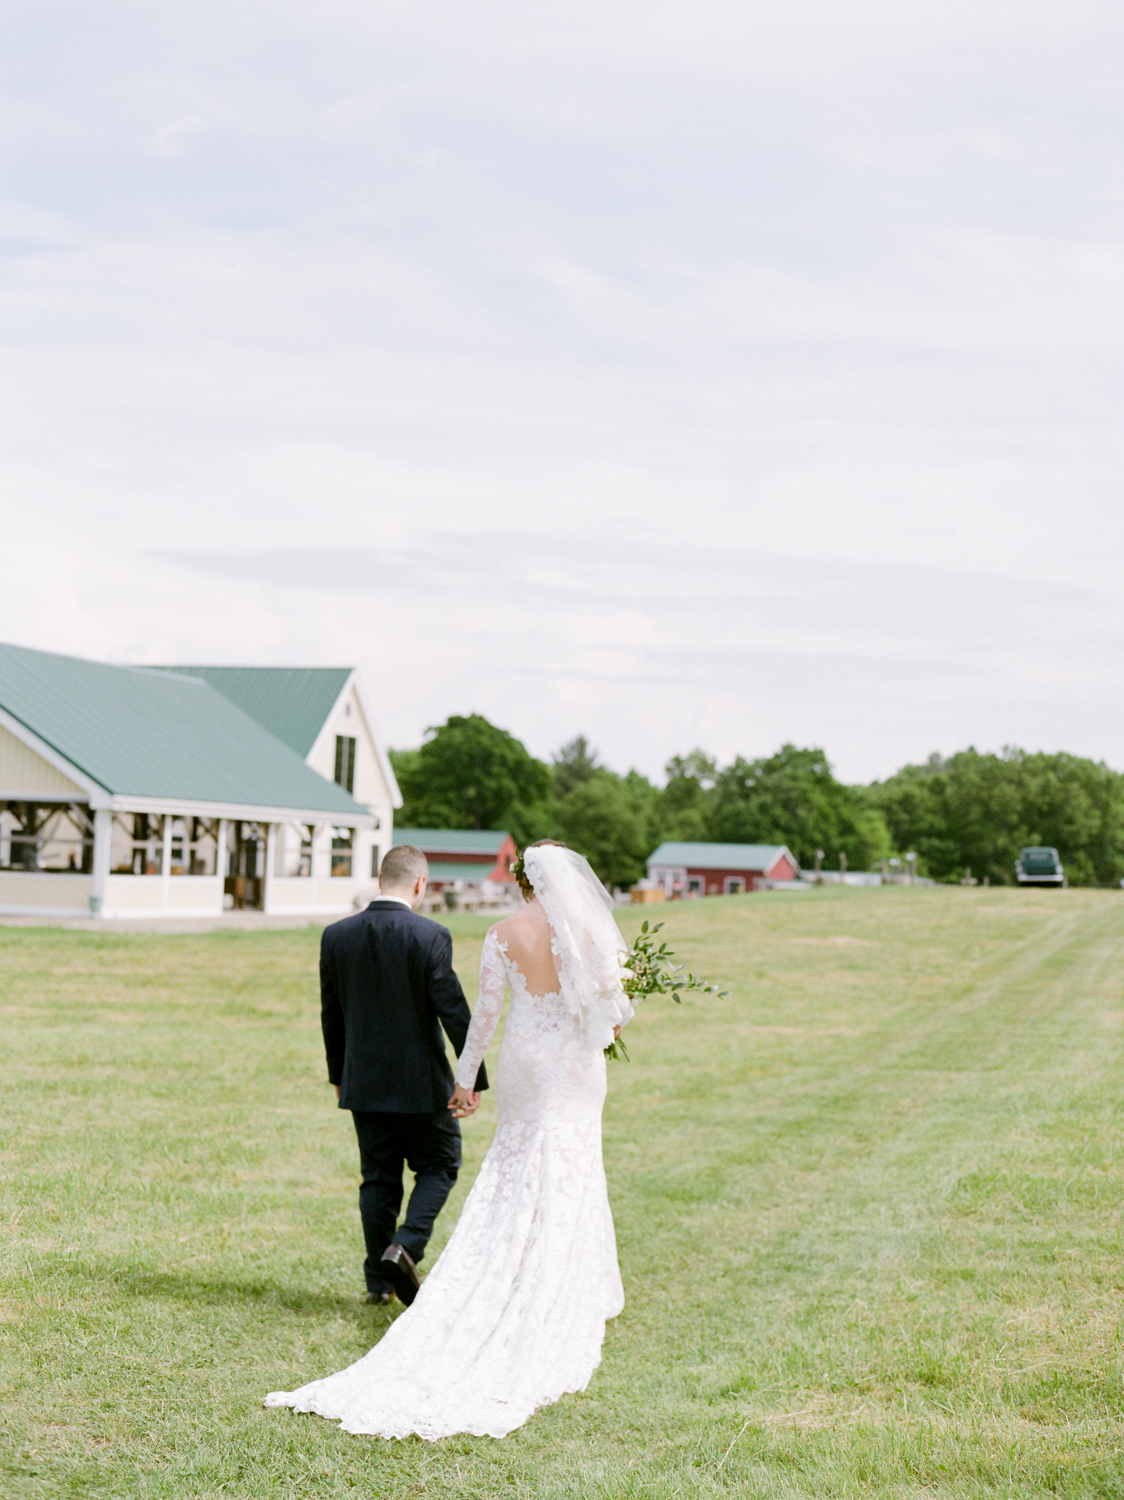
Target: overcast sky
[{"x": 707, "y": 374}]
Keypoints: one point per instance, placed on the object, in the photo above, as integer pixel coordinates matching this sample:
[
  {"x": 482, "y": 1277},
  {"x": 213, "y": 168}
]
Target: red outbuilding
[
  {"x": 457, "y": 856},
  {"x": 682, "y": 869}
]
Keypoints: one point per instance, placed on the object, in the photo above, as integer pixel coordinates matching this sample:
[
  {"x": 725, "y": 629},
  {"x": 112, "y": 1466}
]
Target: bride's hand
[
  {"x": 617, "y": 1033},
  {"x": 464, "y": 1102}
]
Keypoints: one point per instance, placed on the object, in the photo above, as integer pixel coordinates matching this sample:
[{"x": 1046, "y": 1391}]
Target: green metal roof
[
  {"x": 291, "y": 702},
  {"x": 719, "y": 856},
  {"x": 452, "y": 840},
  {"x": 444, "y": 869},
  {"x": 145, "y": 732}
]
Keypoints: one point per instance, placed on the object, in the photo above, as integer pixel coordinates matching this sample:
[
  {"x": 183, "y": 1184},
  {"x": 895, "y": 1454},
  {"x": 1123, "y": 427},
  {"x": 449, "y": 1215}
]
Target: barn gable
[{"x": 25, "y": 774}]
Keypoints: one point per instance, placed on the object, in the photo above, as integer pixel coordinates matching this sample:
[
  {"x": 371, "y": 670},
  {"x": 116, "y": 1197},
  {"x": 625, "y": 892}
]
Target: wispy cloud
[{"x": 727, "y": 373}]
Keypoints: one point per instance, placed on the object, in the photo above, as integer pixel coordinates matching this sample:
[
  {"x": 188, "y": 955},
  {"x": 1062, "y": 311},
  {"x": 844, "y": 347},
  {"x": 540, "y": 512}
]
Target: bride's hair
[{"x": 520, "y": 873}]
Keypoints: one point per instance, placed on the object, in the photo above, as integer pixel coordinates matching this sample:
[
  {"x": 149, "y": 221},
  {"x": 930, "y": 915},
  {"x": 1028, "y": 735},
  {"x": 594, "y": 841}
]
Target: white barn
[{"x": 184, "y": 791}]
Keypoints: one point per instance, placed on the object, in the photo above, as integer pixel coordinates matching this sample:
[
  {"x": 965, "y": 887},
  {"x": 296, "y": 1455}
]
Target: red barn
[
  {"x": 720, "y": 869},
  {"x": 470, "y": 855}
]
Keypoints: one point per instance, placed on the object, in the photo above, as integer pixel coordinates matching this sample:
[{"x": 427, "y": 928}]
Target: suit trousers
[{"x": 430, "y": 1145}]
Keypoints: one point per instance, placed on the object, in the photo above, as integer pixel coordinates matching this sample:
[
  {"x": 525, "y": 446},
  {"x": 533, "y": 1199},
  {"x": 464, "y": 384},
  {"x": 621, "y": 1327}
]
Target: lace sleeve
[{"x": 486, "y": 1016}]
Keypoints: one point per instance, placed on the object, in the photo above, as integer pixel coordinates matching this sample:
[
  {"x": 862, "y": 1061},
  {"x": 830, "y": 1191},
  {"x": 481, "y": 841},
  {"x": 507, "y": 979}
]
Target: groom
[{"x": 387, "y": 988}]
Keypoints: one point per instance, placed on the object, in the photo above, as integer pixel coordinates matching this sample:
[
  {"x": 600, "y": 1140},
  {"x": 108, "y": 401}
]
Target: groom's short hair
[{"x": 402, "y": 865}]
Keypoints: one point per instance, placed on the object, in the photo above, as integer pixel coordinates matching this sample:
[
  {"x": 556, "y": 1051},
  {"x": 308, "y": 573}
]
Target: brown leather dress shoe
[{"x": 398, "y": 1267}]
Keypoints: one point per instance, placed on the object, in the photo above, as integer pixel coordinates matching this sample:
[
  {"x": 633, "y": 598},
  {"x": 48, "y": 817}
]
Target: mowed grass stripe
[
  {"x": 869, "y": 1214},
  {"x": 874, "y": 1212}
]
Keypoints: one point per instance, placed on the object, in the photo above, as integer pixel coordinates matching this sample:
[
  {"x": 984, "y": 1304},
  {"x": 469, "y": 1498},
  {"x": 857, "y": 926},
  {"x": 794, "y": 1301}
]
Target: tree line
[{"x": 971, "y": 810}]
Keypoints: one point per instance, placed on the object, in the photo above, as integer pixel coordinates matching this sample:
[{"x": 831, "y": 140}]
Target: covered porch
[{"x": 64, "y": 858}]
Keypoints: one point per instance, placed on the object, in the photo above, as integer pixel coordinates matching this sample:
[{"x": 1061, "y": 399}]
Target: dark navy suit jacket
[{"x": 387, "y": 988}]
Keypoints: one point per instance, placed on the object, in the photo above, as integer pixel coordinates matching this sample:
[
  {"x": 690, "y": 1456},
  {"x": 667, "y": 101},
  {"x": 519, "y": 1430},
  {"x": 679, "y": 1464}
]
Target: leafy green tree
[
  {"x": 470, "y": 774},
  {"x": 1077, "y": 806},
  {"x": 405, "y": 764},
  {"x": 967, "y": 810},
  {"x": 979, "y": 810},
  {"x": 613, "y": 821},
  {"x": 913, "y": 804},
  {"x": 792, "y": 798},
  {"x": 574, "y": 764},
  {"x": 684, "y": 804}
]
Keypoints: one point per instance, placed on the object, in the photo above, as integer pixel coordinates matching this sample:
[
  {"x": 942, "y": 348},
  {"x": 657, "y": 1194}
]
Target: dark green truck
[{"x": 1039, "y": 866}]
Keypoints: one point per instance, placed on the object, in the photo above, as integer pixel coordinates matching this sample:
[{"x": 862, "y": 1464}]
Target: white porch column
[
  {"x": 380, "y": 837},
  {"x": 271, "y": 832},
  {"x": 103, "y": 850},
  {"x": 361, "y": 842},
  {"x": 166, "y": 865},
  {"x": 321, "y": 850}
]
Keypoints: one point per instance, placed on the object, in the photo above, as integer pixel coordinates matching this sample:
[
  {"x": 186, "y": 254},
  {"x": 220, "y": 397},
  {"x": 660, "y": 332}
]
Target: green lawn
[{"x": 868, "y": 1208}]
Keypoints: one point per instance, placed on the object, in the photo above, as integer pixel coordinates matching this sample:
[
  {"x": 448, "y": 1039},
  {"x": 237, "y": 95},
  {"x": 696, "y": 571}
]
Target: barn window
[
  {"x": 734, "y": 885},
  {"x": 345, "y": 761}
]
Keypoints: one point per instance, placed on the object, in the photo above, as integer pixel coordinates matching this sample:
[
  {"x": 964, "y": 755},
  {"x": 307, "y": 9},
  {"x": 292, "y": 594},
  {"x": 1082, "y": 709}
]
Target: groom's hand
[
  {"x": 337, "y": 1092},
  {"x": 464, "y": 1102}
]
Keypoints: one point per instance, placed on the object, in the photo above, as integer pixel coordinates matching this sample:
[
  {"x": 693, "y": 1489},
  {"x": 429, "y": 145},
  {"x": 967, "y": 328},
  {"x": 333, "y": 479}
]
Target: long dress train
[{"x": 513, "y": 1314}]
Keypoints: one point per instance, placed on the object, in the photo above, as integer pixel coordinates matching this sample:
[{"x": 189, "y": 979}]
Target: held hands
[{"x": 464, "y": 1102}]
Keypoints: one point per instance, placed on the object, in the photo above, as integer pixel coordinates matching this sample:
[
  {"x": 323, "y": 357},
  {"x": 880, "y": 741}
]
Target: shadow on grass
[{"x": 211, "y": 1291}]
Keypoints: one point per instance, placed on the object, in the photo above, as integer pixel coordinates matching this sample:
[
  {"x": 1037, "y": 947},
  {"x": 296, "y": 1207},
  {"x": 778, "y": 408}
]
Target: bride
[{"x": 513, "y": 1314}]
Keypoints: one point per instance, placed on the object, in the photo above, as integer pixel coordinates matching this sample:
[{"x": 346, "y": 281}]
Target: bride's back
[{"x": 526, "y": 939}]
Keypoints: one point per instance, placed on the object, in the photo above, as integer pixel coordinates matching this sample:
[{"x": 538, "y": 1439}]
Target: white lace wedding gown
[{"x": 513, "y": 1314}]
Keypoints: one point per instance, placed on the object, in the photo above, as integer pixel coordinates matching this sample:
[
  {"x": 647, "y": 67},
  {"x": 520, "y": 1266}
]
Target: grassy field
[{"x": 869, "y": 1209}]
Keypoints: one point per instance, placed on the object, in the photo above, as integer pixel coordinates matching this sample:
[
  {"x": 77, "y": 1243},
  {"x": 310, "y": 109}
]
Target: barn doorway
[{"x": 245, "y": 882}]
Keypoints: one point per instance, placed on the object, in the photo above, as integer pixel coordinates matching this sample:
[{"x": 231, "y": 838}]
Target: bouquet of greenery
[{"x": 648, "y": 970}]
